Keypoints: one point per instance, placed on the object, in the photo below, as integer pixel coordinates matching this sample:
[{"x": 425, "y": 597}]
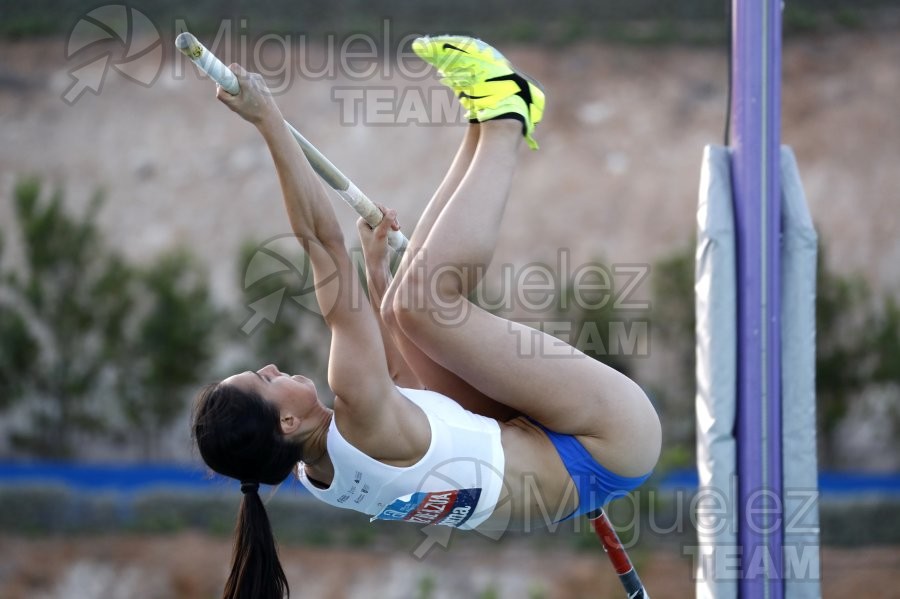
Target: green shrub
[{"x": 97, "y": 346}]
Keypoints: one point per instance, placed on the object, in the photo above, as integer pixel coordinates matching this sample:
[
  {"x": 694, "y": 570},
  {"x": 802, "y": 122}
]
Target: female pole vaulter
[{"x": 443, "y": 413}]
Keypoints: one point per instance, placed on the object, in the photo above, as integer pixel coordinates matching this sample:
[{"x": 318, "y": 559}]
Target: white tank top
[{"x": 456, "y": 483}]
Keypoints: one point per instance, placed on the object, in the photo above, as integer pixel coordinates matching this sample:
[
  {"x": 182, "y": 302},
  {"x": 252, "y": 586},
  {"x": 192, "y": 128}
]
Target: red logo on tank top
[{"x": 445, "y": 508}]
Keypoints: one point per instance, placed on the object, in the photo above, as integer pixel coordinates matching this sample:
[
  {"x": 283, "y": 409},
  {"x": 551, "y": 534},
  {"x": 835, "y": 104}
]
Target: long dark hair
[{"x": 238, "y": 435}]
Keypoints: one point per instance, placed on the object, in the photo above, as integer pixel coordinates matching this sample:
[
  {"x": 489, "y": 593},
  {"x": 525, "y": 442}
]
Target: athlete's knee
[
  {"x": 426, "y": 297},
  {"x": 411, "y": 303},
  {"x": 437, "y": 284},
  {"x": 397, "y": 309},
  {"x": 412, "y": 291},
  {"x": 388, "y": 313}
]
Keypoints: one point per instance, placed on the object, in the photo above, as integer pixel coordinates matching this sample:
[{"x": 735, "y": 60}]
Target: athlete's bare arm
[
  {"x": 378, "y": 277},
  {"x": 357, "y": 371}
]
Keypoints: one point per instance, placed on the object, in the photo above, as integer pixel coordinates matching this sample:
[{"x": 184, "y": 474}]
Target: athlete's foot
[{"x": 485, "y": 82}]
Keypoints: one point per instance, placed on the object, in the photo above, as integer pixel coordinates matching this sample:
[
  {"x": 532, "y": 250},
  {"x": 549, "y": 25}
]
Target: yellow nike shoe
[
  {"x": 526, "y": 106},
  {"x": 453, "y": 54},
  {"x": 483, "y": 79}
]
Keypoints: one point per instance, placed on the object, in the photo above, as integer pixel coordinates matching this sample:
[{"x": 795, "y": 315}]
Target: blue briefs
[{"x": 596, "y": 485}]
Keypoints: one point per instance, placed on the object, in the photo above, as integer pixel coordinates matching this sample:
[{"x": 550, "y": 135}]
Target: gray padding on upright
[
  {"x": 716, "y": 307},
  {"x": 799, "y": 247}
]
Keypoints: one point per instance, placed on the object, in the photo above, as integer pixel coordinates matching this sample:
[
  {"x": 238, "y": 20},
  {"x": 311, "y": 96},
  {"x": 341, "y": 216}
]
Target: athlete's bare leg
[
  {"x": 534, "y": 373},
  {"x": 430, "y": 373}
]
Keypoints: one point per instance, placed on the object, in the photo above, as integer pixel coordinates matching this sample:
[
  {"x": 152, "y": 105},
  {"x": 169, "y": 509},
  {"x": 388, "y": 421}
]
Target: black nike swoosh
[
  {"x": 524, "y": 90},
  {"x": 447, "y": 46},
  {"x": 465, "y": 95}
]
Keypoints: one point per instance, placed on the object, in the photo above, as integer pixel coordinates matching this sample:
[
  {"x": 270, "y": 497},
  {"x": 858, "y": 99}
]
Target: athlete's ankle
[{"x": 507, "y": 122}]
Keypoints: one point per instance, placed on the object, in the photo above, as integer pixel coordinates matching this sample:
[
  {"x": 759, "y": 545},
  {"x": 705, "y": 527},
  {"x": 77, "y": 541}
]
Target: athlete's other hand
[
  {"x": 254, "y": 103},
  {"x": 374, "y": 241}
]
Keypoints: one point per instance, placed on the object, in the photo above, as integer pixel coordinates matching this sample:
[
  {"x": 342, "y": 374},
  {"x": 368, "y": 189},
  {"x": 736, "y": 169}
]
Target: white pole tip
[{"x": 188, "y": 45}]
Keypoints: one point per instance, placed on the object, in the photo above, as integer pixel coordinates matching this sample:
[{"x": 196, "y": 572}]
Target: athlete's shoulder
[{"x": 394, "y": 431}]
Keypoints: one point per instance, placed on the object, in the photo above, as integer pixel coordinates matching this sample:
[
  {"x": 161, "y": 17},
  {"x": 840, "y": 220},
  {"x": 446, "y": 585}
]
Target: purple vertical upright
[{"x": 755, "y": 126}]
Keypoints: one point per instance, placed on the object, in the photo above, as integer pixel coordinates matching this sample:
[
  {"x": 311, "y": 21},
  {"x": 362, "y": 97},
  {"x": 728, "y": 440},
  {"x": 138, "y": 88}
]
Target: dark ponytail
[
  {"x": 255, "y": 569},
  {"x": 238, "y": 435}
]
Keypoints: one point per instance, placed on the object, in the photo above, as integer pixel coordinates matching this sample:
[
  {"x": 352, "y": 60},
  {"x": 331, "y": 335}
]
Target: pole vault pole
[
  {"x": 207, "y": 62},
  {"x": 618, "y": 556}
]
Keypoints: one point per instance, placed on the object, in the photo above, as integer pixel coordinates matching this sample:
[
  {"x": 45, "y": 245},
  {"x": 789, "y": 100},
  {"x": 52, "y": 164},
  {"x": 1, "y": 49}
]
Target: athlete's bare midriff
[{"x": 537, "y": 487}]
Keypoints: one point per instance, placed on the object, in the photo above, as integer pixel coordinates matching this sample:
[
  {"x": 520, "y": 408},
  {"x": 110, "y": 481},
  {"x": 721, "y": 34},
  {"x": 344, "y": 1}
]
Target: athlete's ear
[{"x": 289, "y": 424}]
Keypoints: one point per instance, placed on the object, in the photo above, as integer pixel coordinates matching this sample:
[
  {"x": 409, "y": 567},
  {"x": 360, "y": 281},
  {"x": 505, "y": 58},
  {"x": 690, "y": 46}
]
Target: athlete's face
[{"x": 294, "y": 396}]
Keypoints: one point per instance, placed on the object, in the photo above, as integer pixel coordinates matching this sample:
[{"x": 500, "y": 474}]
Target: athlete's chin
[{"x": 306, "y": 382}]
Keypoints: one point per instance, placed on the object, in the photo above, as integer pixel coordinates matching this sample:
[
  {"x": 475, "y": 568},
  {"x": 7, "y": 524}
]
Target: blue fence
[
  {"x": 831, "y": 484},
  {"x": 117, "y": 478},
  {"x": 133, "y": 478}
]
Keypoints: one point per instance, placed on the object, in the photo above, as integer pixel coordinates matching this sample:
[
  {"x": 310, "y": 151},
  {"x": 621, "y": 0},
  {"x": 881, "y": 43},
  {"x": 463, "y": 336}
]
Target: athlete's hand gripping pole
[
  {"x": 207, "y": 62},
  {"x": 617, "y": 555}
]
